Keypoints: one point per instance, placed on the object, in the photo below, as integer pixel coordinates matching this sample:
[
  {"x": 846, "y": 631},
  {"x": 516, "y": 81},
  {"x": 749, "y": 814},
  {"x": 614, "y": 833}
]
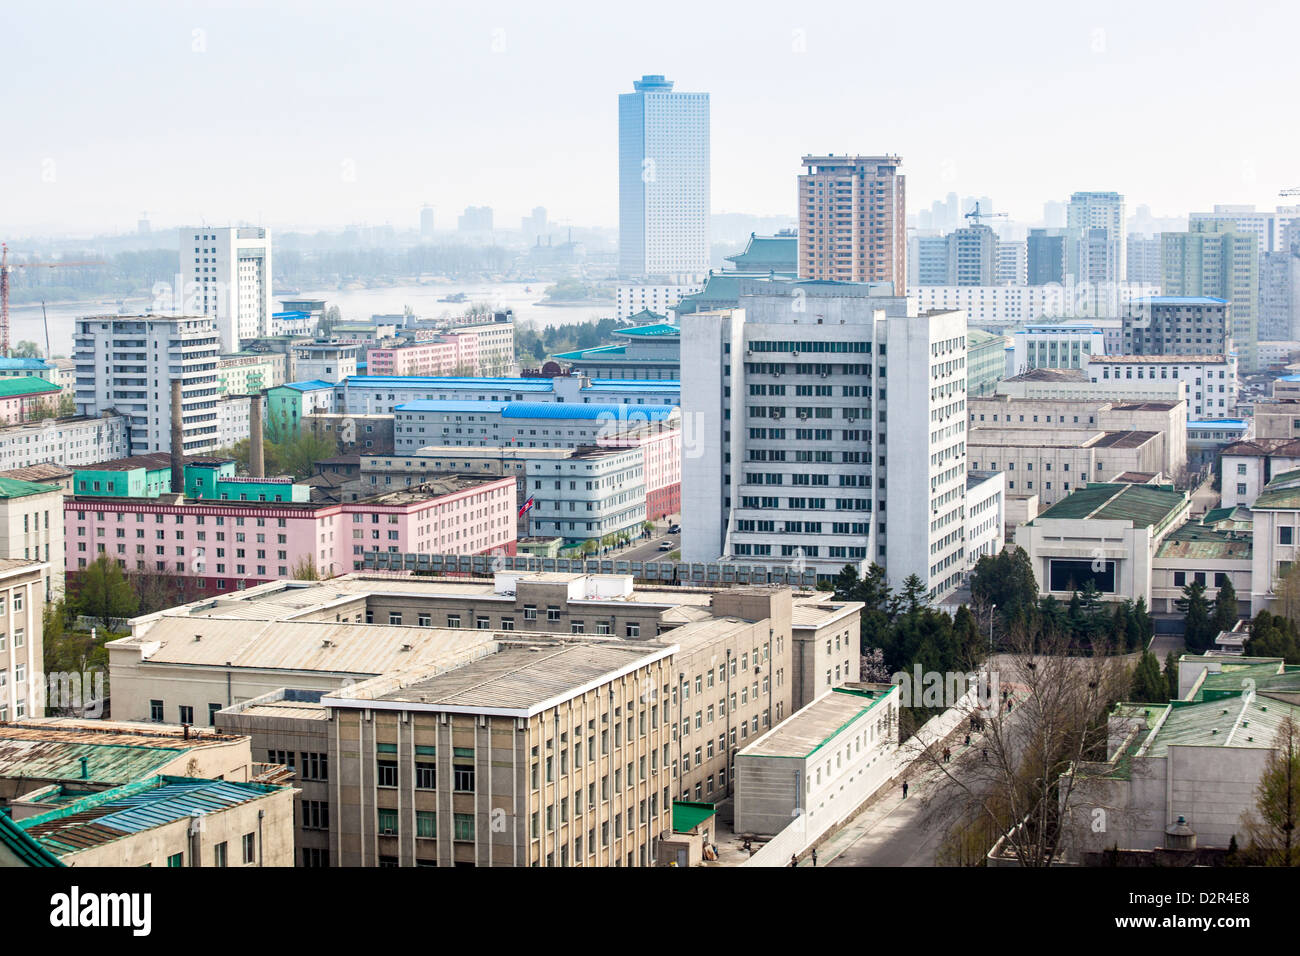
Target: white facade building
[
  {"x": 592, "y": 493},
  {"x": 1211, "y": 380},
  {"x": 324, "y": 363},
  {"x": 519, "y": 424},
  {"x": 226, "y": 273},
  {"x": 1013, "y": 263},
  {"x": 126, "y": 364},
  {"x": 819, "y": 765},
  {"x": 233, "y": 417},
  {"x": 992, "y": 306},
  {"x": 1096, "y": 256},
  {"x": 786, "y": 397},
  {"x": 1054, "y": 346},
  {"x": 634, "y": 299},
  {"x": 63, "y": 441},
  {"x": 663, "y": 182},
  {"x": 985, "y": 514}
]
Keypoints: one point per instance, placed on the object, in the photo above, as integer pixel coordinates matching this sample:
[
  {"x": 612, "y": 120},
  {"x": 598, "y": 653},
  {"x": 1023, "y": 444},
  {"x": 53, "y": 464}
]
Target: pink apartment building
[
  {"x": 218, "y": 546},
  {"x": 443, "y": 356}
]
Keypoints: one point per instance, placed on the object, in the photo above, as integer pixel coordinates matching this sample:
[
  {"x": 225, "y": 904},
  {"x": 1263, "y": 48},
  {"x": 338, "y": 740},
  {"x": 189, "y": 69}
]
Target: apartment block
[
  {"x": 593, "y": 493},
  {"x": 31, "y": 525},
  {"x": 66, "y": 441},
  {"x": 226, "y": 274},
  {"x": 126, "y": 364},
  {"x": 1214, "y": 259},
  {"x": 22, "y": 663},
  {"x": 1178, "y": 325},
  {"x": 852, "y": 220}
]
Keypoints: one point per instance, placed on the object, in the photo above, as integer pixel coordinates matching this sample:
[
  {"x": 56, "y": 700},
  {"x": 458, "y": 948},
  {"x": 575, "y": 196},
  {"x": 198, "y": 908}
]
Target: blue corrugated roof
[
  {"x": 633, "y": 385},
  {"x": 14, "y": 364},
  {"x": 1217, "y": 423},
  {"x": 1182, "y": 300},
  {"x": 653, "y": 413},
  {"x": 176, "y": 800},
  {"x": 314, "y": 385}
]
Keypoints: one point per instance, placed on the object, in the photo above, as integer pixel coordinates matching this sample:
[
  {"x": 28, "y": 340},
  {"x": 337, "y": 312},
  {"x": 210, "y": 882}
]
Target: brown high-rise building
[{"x": 852, "y": 220}]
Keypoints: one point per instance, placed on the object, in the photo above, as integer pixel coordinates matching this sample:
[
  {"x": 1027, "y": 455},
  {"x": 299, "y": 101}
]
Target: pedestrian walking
[
  {"x": 947, "y": 754},
  {"x": 814, "y": 856},
  {"x": 986, "y": 754},
  {"x": 1010, "y": 705},
  {"x": 794, "y": 859},
  {"x": 968, "y": 740},
  {"x": 904, "y": 789}
]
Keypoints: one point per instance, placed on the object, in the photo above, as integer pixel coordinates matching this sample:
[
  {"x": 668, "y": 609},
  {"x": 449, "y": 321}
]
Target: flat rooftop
[
  {"x": 525, "y": 676},
  {"x": 810, "y": 728}
]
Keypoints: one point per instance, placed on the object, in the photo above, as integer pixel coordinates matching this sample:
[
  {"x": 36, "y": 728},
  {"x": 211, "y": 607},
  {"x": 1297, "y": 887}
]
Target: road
[{"x": 908, "y": 831}]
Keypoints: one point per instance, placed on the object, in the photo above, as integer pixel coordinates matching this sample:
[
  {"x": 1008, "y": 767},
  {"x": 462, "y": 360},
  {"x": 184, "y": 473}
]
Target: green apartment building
[{"x": 1213, "y": 259}]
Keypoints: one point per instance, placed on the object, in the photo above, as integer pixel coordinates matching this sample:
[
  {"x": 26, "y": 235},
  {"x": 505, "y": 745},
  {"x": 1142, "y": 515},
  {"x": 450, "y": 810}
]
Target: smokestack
[
  {"x": 178, "y": 438},
  {"x": 256, "y": 445}
]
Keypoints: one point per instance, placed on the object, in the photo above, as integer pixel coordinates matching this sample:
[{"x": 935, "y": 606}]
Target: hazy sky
[{"x": 297, "y": 114}]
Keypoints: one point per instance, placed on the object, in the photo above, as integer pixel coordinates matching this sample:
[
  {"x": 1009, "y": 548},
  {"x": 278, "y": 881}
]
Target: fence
[{"x": 663, "y": 572}]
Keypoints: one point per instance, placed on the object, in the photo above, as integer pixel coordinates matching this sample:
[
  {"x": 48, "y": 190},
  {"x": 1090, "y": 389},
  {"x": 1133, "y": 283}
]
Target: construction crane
[
  {"x": 5, "y": 269},
  {"x": 976, "y": 215}
]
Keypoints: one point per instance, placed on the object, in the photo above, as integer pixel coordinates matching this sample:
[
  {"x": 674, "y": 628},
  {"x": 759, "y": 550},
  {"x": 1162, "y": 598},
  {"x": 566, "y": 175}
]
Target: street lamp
[{"x": 992, "y": 608}]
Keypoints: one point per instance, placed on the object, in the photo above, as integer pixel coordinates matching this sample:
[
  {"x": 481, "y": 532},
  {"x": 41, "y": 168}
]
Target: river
[{"x": 26, "y": 323}]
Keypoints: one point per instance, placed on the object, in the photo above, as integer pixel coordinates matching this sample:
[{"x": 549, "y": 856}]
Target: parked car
[{"x": 674, "y": 529}]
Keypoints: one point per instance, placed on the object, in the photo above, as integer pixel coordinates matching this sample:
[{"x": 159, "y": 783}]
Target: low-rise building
[
  {"x": 23, "y": 586},
  {"x": 821, "y": 764},
  {"x": 1052, "y": 463},
  {"x": 77, "y": 440},
  {"x": 523, "y": 424},
  {"x": 352, "y": 434},
  {"x": 31, "y": 522},
  {"x": 251, "y": 373},
  {"x": 1211, "y": 379},
  {"x": 1106, "y": 533},
  {"x": 23, "y": 397},
  {"x": 1247, "y": 466},
  {"x": 985, "y": 522},
  {"x": 47, "y": 474},
  {"x": 1188, "y": 768},
  {"x": 587, "y": 496},
  {"x": 649, "y": 350},
  {"x": 1074, "y": 385},
  {"x": 170, "y": 821},
  {"x": 1275, "y": 516}
]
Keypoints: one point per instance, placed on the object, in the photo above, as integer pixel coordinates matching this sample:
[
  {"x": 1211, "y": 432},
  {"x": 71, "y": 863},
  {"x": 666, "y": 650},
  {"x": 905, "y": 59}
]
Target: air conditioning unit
[
  {"x": 795, "y": 352},
  {"x": 389, "y": 831}
]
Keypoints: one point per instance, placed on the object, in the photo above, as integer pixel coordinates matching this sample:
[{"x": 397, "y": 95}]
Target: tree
[
  {"x": 1149, "y": 684},
  {"x": 1272, "y": 830},
  {"x": 27, "y": 349},
  {"x": 1198, "y": 628},
  {"x": 1171, "y": 676},
  {"x": 1225, "y": 607},
  {"x": 305, "y": 569},
  {"x": 1023, "y": 792},
  {"x": 104, "y": 593},
  {"x": 1272, "y": 635}
]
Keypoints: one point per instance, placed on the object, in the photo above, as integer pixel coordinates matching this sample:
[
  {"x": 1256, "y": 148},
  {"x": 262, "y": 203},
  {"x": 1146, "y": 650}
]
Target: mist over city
[{"x": 650, "y": 437}]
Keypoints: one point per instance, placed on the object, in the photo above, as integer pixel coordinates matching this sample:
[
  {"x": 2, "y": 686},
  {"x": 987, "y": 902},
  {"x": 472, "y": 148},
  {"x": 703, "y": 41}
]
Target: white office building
[
  {"x": 126, "y": 364},
  {"x": 1054, "y": 346},
  {"x": 1211, "y": 380},
  {"x": 65, "y": 441},
  {"x": 663, "y": 182},
  {"x": 789, "y": 415},
  {"x": 592, "y": 493},
  {"x": 1013, "y": 263},
  {"x": 1002, "y": 305},
  {"x": 226, "y": 273},
  {"x": 649, "y": 297}
]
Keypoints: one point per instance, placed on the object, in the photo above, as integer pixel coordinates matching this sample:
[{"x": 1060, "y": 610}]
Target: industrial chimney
[
  {"x": 178, "y": 438},
  {"x": 256, "y": 443}
]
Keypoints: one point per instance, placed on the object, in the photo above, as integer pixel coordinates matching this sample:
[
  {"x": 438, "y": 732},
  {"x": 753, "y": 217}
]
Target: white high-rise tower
[
  {"x": 663, "y": 182},
  {"x": 226, "y": 273}
]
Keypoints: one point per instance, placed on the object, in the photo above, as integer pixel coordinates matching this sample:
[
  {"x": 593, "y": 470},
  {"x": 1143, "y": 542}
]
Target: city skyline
[{"x": 361, "y": 119}]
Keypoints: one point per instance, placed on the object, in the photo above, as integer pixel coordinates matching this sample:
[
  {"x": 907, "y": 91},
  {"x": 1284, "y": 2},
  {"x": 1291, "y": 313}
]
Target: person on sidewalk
[
  {"x": 814, "y": 856},
  {"x": 904, "y": 789},
  {"x": 794, "y": 859},
  {"x": 986, "y": 754},
  {"x": 947, "y": 755}
]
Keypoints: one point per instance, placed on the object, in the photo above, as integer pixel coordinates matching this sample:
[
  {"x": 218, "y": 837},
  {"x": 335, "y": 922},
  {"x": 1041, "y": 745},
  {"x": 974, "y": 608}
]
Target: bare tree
[
  {"x": 1272, "y": 832},
  {"x": 1016, "y": 781}
]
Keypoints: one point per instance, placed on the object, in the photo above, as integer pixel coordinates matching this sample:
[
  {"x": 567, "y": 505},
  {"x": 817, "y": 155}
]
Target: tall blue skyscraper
[{"x": 663, "y": 182}]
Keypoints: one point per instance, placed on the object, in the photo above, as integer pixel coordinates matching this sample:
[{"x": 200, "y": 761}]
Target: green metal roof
[
  {"x": 27, "y": 385},
  {"x": 1141, "y": 505},
  {"x": 61, "y": 760},
  {"x": 768, "y": 252},
  {"x": 1194, "y": 540},
  {"x": 651, "y": 331},
  {"x": 1281, "y": 493},
  {"x": 28, "y": 850},
  {"x": 13, "y": 488},
  {"x": 688, "y": 816}
]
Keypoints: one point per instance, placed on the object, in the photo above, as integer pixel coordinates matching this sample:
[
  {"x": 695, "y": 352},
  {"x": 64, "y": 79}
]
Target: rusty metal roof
[{"x": 42, "y": 752}]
